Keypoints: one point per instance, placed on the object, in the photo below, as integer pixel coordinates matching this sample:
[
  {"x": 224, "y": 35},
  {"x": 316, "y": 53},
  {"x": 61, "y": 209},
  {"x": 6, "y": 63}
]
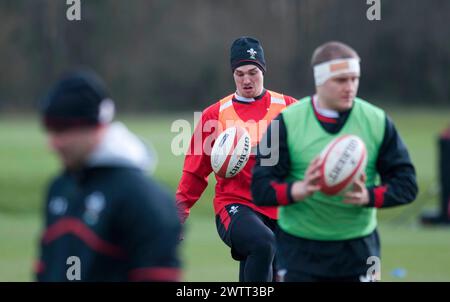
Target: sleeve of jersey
[
  {"x": 397, "y": 173},
  {"x": 290, "y": 100},
  {"x": 197, "y": 163},
  {"x": 149, "y": 223},
  {"x": 269, "y": 187}
]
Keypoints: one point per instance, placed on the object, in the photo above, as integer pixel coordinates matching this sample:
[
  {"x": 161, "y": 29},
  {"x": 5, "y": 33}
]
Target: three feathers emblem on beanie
[{"x": 247, "y": 50}]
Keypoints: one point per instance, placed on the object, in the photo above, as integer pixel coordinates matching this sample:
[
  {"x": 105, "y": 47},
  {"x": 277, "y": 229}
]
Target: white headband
[{"x": 329, "y": 69}]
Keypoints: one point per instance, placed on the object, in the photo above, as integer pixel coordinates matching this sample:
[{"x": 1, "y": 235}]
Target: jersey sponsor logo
[
  {"x": 58, "y": 205},
  {"x": 252, "y": 53},
  {"x": 94, "y": 203},
  {"x": 233, "y": 210}
]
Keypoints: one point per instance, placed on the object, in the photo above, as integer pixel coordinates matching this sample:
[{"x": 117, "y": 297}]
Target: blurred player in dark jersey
[{"x": 105, "y": 220}]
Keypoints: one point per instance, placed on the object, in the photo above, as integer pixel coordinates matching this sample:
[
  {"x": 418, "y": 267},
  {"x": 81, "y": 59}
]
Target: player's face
[
  {"x": 73, "y": 146},
  {"x": 339, "y": 92},
  {"x": 249, "y": 81}
]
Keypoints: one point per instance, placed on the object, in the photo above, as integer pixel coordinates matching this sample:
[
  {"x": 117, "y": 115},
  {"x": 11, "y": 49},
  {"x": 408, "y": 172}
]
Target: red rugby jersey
[{"x": 197, "y": 167}]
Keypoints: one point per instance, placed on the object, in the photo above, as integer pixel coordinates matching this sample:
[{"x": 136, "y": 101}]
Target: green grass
[
  {"x": 421, "y": 253},
  {"x": 26, "y": 166}
]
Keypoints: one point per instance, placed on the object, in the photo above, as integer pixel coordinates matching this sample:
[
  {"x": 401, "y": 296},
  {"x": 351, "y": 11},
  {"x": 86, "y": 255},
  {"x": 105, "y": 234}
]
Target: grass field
[{"x": 409, "y": 252}]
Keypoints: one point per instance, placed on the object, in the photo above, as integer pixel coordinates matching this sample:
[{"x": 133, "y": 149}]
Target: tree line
[{"x": 174, "y": 54}]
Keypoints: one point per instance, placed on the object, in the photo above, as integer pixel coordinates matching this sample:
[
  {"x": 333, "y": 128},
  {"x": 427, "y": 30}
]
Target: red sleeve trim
[
  {"x": 155, "y": 274},
  {"x": 379, "y": 196},
  {"x": 281, "y": 192}
]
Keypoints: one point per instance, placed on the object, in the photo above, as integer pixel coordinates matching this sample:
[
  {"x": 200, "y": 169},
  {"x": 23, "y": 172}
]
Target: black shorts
[
  {"x": 240, "y": 222},
  {"x": 301, "y": 258}
]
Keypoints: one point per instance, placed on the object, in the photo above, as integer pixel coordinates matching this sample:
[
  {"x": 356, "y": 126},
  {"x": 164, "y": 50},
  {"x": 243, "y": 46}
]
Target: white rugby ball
[
  {"x": 231, "y": 152},
  {"x": 342, "y": 162}
]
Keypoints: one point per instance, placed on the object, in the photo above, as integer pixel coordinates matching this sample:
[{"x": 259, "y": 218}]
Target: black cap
[
  {"x": 247, "y": 50},
  {"x": 79, "y": 99}
]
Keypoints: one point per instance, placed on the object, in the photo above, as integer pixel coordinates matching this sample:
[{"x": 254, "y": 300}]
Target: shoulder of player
[
  {"x": 290, "y": 100},
  {"x": 211, "y": 112},
  {"x": 142, "y": 198},
  {"x": 57, "y": 181},
  {"x": 143, "y": 194},
  {"x": 126, "y": 177},
  {"x": 60, "y": 183},
  {"x": 136, "y": 183},
  {"x": 299, "y": 103},
  {"x": 287, "y": 98},
  {"x": 371, "y": 109}
]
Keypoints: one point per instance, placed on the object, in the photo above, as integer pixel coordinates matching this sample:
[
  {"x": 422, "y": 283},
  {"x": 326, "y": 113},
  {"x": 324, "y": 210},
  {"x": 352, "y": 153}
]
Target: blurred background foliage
[{"x": 174, "y": 55}]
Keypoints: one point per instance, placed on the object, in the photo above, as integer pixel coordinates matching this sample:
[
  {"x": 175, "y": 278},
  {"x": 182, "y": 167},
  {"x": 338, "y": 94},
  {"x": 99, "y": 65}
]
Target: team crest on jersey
[
  {"x": 252, "y": 53},
  {"x": 58, "y": 205},
  {"x": 94, "y": 204}
]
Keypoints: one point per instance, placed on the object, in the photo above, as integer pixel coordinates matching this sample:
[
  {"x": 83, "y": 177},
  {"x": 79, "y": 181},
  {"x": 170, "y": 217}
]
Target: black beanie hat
[
  {"x": 247, "y": 50},
  {"x": 79, "y": 99}
]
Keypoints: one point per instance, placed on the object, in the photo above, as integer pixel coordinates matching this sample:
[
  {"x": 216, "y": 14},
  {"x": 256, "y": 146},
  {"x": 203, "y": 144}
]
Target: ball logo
[
  {"x": 215, "y": 160},
  {"x": 343, "y": 161},
  {"x": 346, "y": 158},
  {"x": 242, "y": 158},
  {"x": 223, "y": 140},
  {"x": 231, "y": 152}
]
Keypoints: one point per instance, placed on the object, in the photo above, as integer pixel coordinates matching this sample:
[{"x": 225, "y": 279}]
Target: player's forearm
[
  {"x": 398, "y": 177},
  {"x": 268, "y": 191},
  {"x": 190, "y": 189}
]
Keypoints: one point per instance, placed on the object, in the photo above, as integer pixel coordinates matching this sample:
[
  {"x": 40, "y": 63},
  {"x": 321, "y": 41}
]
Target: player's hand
[
  {"x": 359, "y": 195},
  {"x": 310, "y": 184}
]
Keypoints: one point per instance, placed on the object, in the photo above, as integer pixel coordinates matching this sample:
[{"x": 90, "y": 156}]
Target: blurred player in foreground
[{"x": 105, "y": 220}]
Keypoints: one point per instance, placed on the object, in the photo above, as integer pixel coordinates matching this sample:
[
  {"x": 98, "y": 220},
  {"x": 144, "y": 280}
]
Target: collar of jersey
[
  {"x": 248, "y": 100},
  {"x": 325, "y": 112}
]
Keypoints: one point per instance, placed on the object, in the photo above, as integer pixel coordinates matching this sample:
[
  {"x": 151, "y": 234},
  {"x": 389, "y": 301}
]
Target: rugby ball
[
  {"x": 342, "y": 162},
  {"x": 230, "y": 152}
]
